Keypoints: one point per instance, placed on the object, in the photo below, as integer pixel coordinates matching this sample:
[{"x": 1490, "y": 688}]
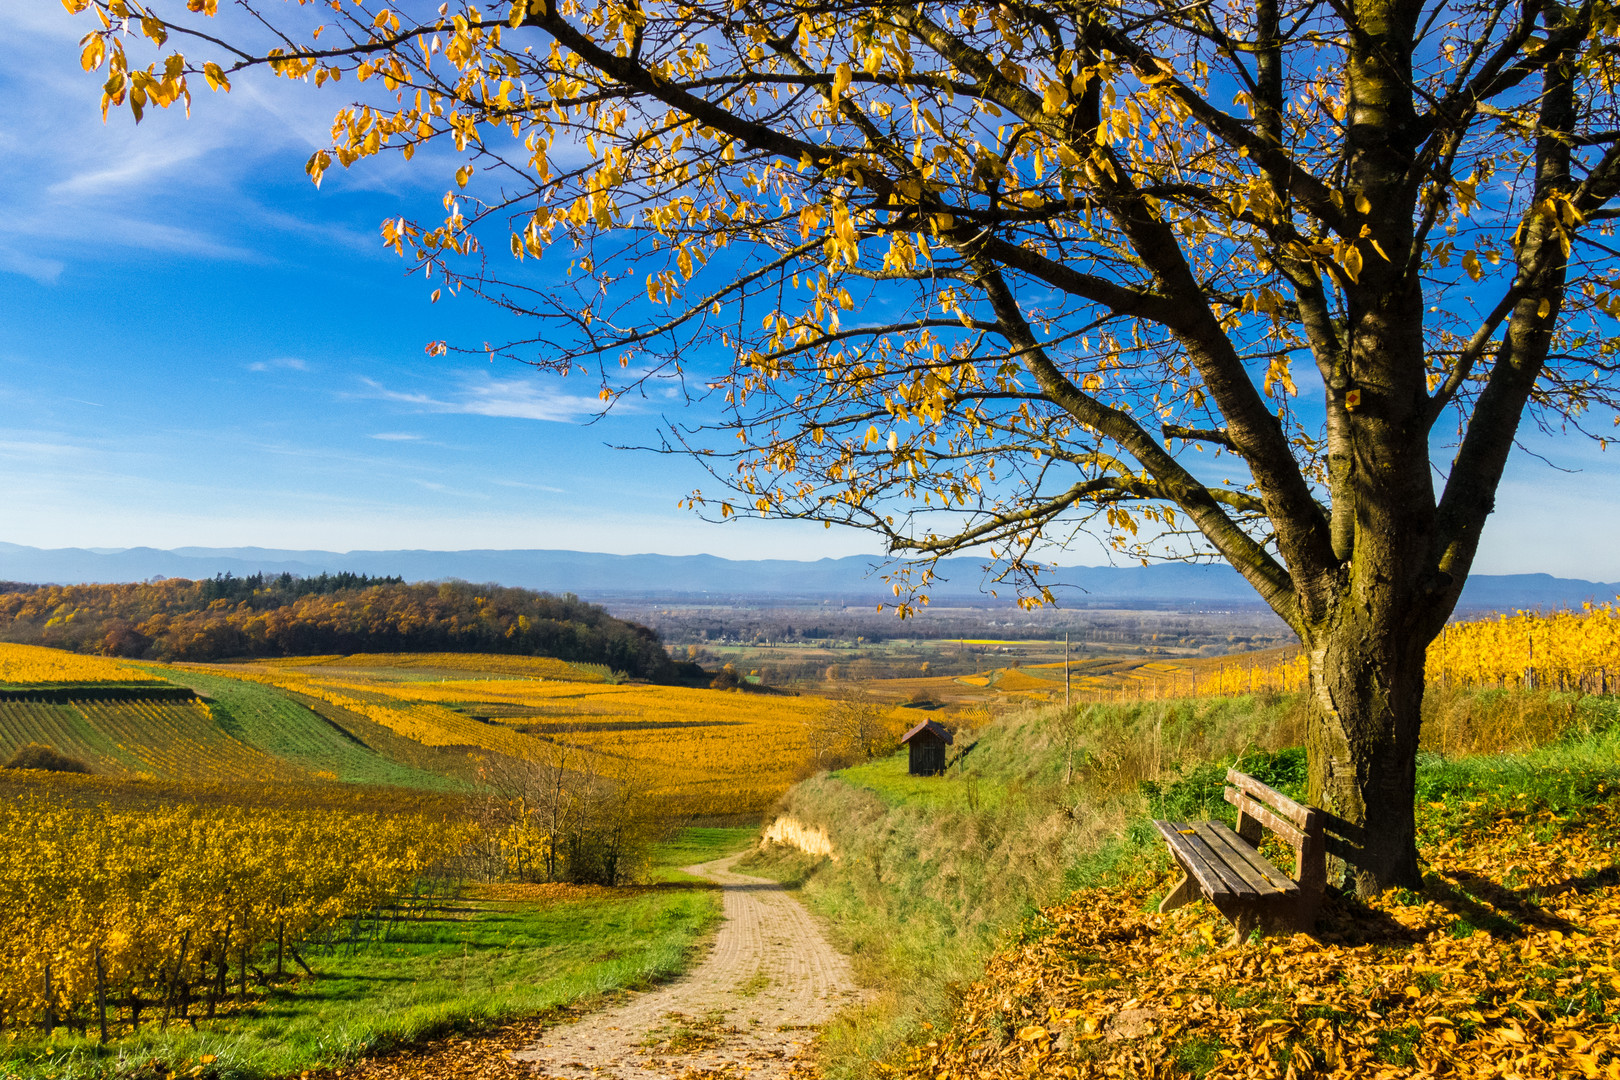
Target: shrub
[{"x": 45, "y": 759}]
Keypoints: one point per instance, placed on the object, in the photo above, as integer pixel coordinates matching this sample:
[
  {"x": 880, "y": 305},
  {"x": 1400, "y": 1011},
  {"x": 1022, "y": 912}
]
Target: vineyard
[
  {"x": 1565, "y": 650},
  {"x": 423, "y": 720},
  {"x": 32, "y": 666},
  {"x": 106, "y": 914},
  {"x": 697, "y": 752}
]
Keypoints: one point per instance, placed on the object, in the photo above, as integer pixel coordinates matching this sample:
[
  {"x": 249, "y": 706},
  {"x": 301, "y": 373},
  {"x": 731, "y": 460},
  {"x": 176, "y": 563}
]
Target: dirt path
[{"x": 751, "y": 1007}]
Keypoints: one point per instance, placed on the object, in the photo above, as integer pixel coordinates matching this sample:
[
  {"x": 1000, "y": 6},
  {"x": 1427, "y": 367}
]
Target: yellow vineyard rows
[
  {"x": 161, "y": 740},
  {"x": 522, "y": 667},
  {"x": 700, "y": 751},
  {"x": 33, "y": 665},
  {"x": 1563, "y": 650},
  {"x": 171, "y": 904}
]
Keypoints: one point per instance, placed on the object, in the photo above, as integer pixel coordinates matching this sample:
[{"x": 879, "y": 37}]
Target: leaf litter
[{"x": 1502, "y": 966}]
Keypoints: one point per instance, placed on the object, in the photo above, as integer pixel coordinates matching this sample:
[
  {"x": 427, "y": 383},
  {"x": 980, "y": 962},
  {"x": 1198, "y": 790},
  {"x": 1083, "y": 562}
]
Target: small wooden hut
[{"x": 927, "y": 742}]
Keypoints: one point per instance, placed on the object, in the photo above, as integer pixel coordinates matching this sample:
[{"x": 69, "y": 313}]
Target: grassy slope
[
  {"x": 1501, "y": 964},
  {"x": 504, "y": 952},
  {"x": 933, "y": 872},
  {"x": 268, "y": 719}
]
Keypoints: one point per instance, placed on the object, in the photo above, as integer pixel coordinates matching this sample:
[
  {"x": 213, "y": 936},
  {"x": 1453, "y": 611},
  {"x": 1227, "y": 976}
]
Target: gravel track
[{"x": 751, "y": 1007}]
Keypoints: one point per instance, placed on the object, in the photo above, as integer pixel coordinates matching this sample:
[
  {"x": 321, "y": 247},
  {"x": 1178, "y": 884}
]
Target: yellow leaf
[
  {"x": 841, "y": 80},
  {"x": 1352, "y": 263},
  {"x": 95, "y": 50}
]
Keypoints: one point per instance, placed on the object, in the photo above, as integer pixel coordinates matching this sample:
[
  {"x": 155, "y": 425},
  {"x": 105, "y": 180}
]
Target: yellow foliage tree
[{"x": 988, "y": 273}]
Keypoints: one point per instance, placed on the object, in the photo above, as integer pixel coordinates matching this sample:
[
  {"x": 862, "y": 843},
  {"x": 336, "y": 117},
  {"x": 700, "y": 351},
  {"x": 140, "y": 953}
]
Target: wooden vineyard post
[
  {"x": 50, "y": 1005},
  {"x": 1065, "y": 671},
  {"x": 101, "y": 995},
  {"x": 180, "y": 982}
]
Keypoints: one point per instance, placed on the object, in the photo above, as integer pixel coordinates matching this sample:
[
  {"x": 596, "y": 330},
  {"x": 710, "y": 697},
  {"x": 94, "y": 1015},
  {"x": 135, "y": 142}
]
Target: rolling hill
[{"x": 605, "y": 576}]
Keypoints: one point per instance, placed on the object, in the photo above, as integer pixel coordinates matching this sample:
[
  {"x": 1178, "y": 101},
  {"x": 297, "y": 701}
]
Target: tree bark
[{"x": 1366, "y": 681}]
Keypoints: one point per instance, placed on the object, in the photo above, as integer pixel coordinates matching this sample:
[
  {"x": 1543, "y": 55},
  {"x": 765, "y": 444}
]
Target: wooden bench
[{"x": 1224, "y": 864}]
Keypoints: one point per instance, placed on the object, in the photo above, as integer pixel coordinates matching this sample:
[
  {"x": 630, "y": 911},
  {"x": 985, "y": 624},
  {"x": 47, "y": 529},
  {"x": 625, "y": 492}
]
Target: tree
[
  {"x": 979, "y": 275},
  {"x": 851, "y": 728}
]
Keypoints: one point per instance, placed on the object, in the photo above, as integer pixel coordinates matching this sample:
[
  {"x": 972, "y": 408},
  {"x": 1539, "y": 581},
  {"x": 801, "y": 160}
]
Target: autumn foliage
[
  {"x": 1503, "y": 965},
  {"x": 209, "y": 620},
  {"x": 1576, "y": 650},
  {"x": 170, "y": 905}
]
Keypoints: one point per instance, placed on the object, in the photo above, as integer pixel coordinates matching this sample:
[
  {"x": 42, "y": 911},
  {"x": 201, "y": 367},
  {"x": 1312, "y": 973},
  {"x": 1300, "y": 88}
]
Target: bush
[
  {"x": 1200, "y": 791},
  {"x": 45, "y": 759}
]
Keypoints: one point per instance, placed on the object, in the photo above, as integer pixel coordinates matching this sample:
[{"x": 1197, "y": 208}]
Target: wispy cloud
[
  {"x": 74, "y": 187},
  {"x": 517, "y": 399},
  {"x": 396, "y": 436},
  {"x": 280, "y": 363},
  {"x": 529, "y": 487}
]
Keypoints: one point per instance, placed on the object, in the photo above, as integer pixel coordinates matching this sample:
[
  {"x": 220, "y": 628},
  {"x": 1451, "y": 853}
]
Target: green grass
[
  {"x": 691, "y": 846},
  {"x": 264, "y": 718},
  {"x": 482, "y": 962},
  {"x": 933, "y": 874}
]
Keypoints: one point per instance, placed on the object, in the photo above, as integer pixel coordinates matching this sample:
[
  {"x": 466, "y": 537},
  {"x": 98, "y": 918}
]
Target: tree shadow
[
  {"x": 1346, "y": 920},
  {"x": 1496, "y": 909},
  {"x": 1478, "y": 903}
]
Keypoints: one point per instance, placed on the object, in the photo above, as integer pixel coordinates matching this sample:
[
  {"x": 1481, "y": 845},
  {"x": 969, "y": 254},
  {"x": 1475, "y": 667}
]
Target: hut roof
[{"x": 927, "y": 725}]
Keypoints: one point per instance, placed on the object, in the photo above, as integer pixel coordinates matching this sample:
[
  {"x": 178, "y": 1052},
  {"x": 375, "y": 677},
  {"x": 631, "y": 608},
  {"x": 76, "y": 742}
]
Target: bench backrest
[{"x": 1300, "y": 827}]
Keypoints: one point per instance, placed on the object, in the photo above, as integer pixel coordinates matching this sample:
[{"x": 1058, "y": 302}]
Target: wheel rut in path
[{"x": 751, "y": 1007}]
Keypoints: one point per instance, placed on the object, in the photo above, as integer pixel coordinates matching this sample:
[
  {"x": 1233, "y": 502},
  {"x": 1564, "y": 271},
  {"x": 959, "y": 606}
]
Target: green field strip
[
  {"x": 26, "y": 722},
  {"x": 280, "y": 725},
  {"x": 61, "y": 727},
  {"x": 183, "y": 742},
  {"x": 111, "y": 754}
]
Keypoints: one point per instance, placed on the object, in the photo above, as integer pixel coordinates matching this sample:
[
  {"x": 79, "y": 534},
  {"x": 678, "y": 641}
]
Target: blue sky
[{"x": 197, "y": 347}]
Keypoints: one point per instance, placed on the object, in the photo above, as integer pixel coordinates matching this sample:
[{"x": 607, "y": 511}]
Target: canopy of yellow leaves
[{"x": 1404, "y": 987}]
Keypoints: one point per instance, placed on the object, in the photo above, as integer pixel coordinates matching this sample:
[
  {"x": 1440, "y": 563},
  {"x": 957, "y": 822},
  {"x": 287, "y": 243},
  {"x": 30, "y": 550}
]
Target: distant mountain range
[{"x": 598, "y": 576}]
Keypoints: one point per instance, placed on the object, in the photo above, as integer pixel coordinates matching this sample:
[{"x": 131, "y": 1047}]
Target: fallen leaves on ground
[
  {"x": 1503, "y": 966},
  {"x": 482, "y": 1055}
]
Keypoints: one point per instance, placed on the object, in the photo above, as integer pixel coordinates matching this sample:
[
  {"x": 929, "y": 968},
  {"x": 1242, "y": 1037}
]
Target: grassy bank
[
  {"x": 498, "y": 952},
  {"x": 931, "y": 875},
  {"x": 1501, "y": 964}
]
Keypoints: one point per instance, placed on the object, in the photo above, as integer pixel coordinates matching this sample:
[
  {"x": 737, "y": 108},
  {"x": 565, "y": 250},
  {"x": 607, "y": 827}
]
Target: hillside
[
  {"x": 228, "y": 617},
  {"x": 426, "y": 721},
  {"x": 650, "y": 575},
  {"x": 924, "y": 879}
]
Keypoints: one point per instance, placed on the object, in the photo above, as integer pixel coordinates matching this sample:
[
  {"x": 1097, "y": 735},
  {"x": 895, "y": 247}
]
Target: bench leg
[
  {"x": 1184, "y": 893},
  {"x": 1245, "y": 920}
]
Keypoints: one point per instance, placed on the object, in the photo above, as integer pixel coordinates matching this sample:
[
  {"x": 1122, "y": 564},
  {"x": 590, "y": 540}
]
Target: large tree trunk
[{"x": 1362, "y": 739}]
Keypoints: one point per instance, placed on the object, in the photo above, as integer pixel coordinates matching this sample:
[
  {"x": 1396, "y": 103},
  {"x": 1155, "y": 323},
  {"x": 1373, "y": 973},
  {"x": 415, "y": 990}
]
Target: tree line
[{"x": 256, "y": 616}]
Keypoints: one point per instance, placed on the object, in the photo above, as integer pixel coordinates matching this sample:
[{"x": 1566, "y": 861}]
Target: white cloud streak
[{"x": 517, "y": 399}]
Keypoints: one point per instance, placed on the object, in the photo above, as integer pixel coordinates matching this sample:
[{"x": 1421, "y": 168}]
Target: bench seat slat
[
  {"x": 1266, "y": 878},
  {"x": 1191, "y": 859},
  {"x": 1218, "y": 880},
  {"x": 1236, "y": 886},
  {"x": 1282, "y": 806}
]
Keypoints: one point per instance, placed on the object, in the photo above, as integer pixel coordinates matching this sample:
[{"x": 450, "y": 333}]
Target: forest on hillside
[{"x": 261, "y": 616}]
